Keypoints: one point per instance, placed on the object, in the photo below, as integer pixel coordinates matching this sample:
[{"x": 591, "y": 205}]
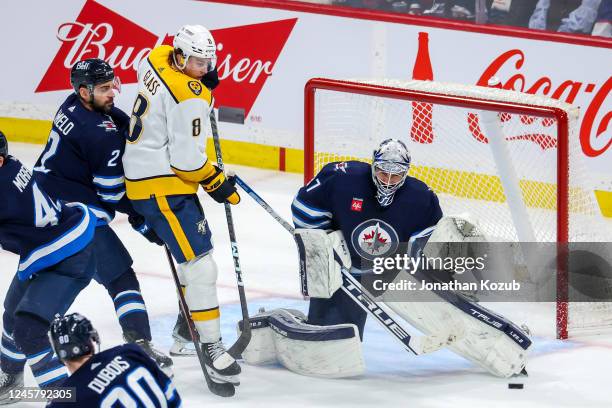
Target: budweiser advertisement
[{"x": 267, "y": 55}]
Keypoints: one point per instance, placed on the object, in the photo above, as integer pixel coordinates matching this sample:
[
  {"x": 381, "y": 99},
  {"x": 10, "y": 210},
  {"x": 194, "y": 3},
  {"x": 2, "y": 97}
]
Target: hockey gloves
[
  {"x": 220, "y": 188},
  {"x": 138, "y": 223},
  {"x": 211, "y": 79}
]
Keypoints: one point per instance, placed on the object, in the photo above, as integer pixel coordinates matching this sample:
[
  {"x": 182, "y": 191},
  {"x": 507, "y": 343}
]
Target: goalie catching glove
[
  {"x": 322, "y": 257},
  {"x": 220, "y": 188}
]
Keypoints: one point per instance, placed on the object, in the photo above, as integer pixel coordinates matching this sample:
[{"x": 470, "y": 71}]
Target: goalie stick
[
  {"x": 245, "y": 336},
  {"x": 415, "y": 344},
  {"x": 221, "y": 389}
]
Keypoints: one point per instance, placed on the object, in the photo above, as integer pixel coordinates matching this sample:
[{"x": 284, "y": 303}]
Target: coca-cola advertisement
[{"x": 266, "y": 55}]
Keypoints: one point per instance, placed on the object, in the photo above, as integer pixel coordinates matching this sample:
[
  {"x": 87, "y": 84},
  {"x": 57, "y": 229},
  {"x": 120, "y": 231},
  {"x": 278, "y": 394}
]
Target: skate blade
[{"x": 181, "y": 350}]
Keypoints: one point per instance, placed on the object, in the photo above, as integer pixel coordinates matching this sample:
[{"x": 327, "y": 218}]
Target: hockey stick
[
  {"x": 414, "y": 344},
  {"x": 221, "y": 389},
  {"x": 245, "y": 336}
]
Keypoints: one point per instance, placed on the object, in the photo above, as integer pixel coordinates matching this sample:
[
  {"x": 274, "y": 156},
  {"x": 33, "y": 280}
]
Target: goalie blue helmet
[
  {"x": 73, "y": 336},
  {"x": 3, "y": 145},
  {"x": 390, "y": 164}
]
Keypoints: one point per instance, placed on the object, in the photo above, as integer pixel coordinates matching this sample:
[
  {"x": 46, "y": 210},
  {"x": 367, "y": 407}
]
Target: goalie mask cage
[{"x": 510, "y": 159}]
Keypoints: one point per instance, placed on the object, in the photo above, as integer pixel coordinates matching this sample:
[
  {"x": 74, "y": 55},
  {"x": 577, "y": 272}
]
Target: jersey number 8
[{"x": 141, "y": 106}]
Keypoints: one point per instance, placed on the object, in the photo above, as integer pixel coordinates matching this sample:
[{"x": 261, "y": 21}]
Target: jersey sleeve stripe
[
  {"x": 108, "y": 182},
  {"x": 130, "y": 307},
  {"x": 61, "y": 248},
  {"x": 310, "y": 211},
  {"x": 170, "y": 390},
  {"x": 104, "y": 217},
  {"x": 11, "y": 355},
  {"x": 303, "y": 224},
  {"x": 111, "y": 198},
  {"x": 197, "y": 175}
]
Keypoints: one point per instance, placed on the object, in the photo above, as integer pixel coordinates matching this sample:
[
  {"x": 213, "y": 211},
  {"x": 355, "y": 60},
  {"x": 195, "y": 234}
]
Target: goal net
[{"x": 509, "y": 158}]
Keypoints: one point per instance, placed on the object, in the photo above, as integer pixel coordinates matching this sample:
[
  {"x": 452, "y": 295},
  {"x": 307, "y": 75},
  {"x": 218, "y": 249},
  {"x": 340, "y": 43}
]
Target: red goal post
[{"x": 533, "y": 135}]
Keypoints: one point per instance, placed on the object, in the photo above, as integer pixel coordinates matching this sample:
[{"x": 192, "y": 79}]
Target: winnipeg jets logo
[
  {"x": 341, "y": 167},
  {"x": 374, "y": 238},
  {"x": 108, "y": 125}
]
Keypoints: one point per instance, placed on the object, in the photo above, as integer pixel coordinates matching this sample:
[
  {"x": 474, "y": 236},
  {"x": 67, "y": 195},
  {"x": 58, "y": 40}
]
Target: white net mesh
[{"x": 451, "y": 152}]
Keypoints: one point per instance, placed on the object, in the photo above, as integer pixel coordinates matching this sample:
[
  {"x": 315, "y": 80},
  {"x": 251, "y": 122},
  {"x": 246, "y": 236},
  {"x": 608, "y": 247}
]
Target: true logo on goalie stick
[{"x": 374, "y": 238}]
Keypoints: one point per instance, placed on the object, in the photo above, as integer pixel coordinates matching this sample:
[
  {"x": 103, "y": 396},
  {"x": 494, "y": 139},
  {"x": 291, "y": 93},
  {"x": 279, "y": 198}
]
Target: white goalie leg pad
[
  {"x": 261, "y": 348},
  {"x": 317, "y": 351},
  {"x": 483, "y": 337},
  {"x": 320, "y": 268},
  {"x": 200, "y": 279}
]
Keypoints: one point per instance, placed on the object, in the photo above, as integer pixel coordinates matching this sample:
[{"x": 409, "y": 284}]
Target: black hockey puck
[{"x": 515, "y": 386}]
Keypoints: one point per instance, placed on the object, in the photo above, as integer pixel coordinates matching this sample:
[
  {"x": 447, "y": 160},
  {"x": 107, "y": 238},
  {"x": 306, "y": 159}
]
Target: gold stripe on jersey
[
  {"x": 196, "y": 175},
  {"x": 204, "y": 315},
  {"x": 159, "y": 186},
  {"x": 176, "y": 228},
  {"x": 181, "y": 86}
]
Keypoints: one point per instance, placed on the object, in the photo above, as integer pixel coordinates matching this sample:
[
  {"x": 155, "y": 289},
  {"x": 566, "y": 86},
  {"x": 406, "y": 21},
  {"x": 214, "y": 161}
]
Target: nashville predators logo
[{"x": 195, "y": 86}]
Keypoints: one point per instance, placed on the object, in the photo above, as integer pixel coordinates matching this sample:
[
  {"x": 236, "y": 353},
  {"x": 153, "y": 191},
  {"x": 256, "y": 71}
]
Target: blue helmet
[
  {"x": 89, "y": 73},
  {"x": 391, "y": 160},
  {"x": 73, "y": 336}
]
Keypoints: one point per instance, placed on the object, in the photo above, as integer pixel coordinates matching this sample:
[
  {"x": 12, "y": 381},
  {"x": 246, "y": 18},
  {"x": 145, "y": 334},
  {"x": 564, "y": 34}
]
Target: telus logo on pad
[{"x": 244, "y": 64}]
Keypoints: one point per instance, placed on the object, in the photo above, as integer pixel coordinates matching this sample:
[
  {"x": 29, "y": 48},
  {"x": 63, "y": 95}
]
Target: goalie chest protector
[{"x": 343, "y": 196}]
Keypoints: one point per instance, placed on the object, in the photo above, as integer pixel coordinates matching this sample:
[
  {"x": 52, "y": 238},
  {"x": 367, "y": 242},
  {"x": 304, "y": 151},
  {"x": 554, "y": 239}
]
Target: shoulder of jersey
[
  {"x": 416, "y": 184},
  {"x": 347, "y": 168},
  {"x": 182, "y": 87}
]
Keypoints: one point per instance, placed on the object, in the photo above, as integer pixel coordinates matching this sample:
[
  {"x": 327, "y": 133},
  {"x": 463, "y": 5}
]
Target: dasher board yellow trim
[
  {"x": 25, "y": 130},
  {"x": 268, "y": 157}
]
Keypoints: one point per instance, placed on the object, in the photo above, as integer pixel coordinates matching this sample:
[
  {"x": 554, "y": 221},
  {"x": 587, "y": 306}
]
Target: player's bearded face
[{"x": 104, "y": 96}]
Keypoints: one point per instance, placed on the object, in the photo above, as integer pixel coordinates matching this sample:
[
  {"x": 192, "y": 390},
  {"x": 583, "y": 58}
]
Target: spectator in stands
[
  {"x": 568, "y": 16},
  {"x": 511, "y": 12},
  {"x": 459, "y": 9},
  {"x": 603, "y": 24}
]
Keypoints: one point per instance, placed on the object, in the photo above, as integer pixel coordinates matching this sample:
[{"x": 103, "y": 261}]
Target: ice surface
[{"x": 561, "y": 374}]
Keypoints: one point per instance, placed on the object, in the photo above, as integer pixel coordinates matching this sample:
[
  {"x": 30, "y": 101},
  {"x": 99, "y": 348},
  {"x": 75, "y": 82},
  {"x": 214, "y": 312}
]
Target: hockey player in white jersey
[{"x": 165, "y": 163}]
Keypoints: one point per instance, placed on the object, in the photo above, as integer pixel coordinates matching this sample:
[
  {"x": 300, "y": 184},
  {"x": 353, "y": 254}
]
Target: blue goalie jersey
[
  {"x": 123, "y": 376},
  {"x": 82, "y": 159},
  {"x": 343, "y": 197},
  {"x": 43, "y": 232}
]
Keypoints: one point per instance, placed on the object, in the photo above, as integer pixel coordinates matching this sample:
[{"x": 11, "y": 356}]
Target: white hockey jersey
[{"x": 165, "y": 150}]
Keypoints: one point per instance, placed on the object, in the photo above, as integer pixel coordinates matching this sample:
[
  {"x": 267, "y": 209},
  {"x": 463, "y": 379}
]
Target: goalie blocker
[{"x": 487, "y": 339}]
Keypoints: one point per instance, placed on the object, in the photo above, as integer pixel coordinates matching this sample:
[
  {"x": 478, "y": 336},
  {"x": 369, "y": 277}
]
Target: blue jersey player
[
  {"x": 376, "y": 207},
  {"x": 122, "y": 376},
  {"x": 82, "y": 162},
  {"x": 53, "y": 241}
]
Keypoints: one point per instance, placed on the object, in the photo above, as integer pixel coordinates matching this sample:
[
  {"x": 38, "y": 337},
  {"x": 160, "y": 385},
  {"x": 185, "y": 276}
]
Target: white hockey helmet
[
  {"x": 392, "y": 160},
  {"x": 195, "y": 41}
]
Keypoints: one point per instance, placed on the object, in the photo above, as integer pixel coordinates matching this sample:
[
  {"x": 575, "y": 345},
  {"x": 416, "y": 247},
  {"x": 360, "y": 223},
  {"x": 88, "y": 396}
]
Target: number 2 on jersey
[{"x": 52, "y": 149}]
